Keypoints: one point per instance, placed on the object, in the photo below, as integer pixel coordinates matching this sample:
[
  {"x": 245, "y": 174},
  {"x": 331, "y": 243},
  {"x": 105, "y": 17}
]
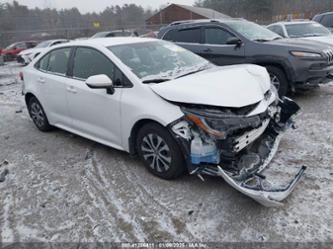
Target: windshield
[
  {"x": 306, "y": 30},
  {"x": 159, "y": 60},
  {"x": 43, "y": 44},
  {"x": 11, "y": 46},
  {"x": 100, "y": 34},
  {"x": 253, "y": 32}
]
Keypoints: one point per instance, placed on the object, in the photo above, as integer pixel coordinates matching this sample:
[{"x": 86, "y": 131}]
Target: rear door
[
  {"x": 52, "y": 82},
  {"x": 95, "y": 113},
  {"x": 217, "y": 50},
  {"x": 189, "y": 38}
]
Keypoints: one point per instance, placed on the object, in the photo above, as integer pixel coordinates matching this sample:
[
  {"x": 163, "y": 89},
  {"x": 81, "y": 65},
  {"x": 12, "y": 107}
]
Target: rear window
[
  {"x": 327, "y": 20},
  {"x": 56, "y": 61},
  {"x": 188, "y": 35}
]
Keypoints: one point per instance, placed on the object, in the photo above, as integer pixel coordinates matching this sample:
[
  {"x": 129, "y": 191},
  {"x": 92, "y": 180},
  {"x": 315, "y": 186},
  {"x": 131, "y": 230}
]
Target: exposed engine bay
[{"x": 237, "y": 145}]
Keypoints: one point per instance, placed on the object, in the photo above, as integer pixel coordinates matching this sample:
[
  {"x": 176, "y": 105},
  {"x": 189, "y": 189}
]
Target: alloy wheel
[
  {"x": 156, "y": 152},
  {"x": 37, "y": 114}
]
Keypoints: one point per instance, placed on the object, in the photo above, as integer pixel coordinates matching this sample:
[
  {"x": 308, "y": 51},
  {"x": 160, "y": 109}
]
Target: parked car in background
[
  {"x": 182, "y": 112},
  {"x": 115, "y": 33},
  {"x": 26, "y": 56},
  {"x": 11, "y": 52},
  {"x": 292, "y": 64},
  {"x": 326, "y": 19},
  {"x": 309, "y": 30}
]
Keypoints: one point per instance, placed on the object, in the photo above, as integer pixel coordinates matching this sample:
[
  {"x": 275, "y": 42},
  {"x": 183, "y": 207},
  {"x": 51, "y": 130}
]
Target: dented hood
[{"x": 230, "y": 86}]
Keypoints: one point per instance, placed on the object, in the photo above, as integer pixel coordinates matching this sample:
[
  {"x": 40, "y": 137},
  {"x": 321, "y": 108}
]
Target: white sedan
[
  {"x": 26, "y": 56},
  {"x": 308, "y": 30},
  {"x": 172, "y": 108}
]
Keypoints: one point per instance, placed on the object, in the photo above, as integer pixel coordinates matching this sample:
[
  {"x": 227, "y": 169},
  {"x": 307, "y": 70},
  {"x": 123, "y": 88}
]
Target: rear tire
[
  {"x": 160, "y": 152},
  {"x": 279, "y": 80},
  {"x": 38, "y": 115}
]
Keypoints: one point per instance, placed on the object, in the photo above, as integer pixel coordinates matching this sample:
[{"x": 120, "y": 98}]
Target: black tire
[
  {"x": 166, "y": 160},
  {"x": 38, "y": 115},
  {"x": 277, "y": 73}
]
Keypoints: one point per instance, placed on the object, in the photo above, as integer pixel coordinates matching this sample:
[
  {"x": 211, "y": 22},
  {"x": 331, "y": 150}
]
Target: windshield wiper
[
  {"x": 155, "y": 81},
  {"x": 262, "y": 40},
  {"x": 195, "y": 71}
]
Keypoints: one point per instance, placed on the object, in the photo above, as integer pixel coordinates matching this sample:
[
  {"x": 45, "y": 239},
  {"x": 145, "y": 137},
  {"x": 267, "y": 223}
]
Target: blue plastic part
[{"x": 213, "y": 158}]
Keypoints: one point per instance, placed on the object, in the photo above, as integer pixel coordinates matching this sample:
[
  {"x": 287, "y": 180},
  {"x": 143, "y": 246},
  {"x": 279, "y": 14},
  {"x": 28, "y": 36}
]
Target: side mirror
[
  {"x": 100, "y": 81},
  {"x": 234, "y": 41}
]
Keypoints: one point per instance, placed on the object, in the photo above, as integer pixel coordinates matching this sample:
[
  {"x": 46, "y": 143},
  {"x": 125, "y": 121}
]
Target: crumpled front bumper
[
  {"x": 261, "y": 191},
  {"x": 250, "y": 180}
]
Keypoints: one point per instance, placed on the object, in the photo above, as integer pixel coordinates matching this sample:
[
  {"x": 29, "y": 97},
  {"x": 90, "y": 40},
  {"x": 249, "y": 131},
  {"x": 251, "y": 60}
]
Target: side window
[
  {"x": 327, "y": 20},
  {"x": 217, "y": 36},
  {"x": 21, "y": 45},
  {"x": 170, "y": 35},
  {"x": 277, "y": 29},
  {"x": 44, "y": 63},
  {"x": 31, "y": 44},
  {"x": 188, "y": 35},
  {"x": 89, "y": 62},
  {"x": 58, "y": 60}
]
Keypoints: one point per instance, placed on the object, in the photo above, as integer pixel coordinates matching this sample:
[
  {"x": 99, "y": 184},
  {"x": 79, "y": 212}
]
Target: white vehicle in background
[
  {"x": 26, "y": 56},
  {"x": 309, "y": 30},
  {"x": 172, "y": 108}
]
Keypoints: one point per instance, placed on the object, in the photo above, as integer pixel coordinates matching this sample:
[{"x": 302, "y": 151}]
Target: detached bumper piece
[{"x": 261, "y": 190}]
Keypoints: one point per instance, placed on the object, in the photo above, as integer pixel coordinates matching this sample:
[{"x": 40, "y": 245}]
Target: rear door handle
[
  {"x": 71, "y": 89},
  {"x": 41, "y": 80},
  {"x": 208, "y": 50}
]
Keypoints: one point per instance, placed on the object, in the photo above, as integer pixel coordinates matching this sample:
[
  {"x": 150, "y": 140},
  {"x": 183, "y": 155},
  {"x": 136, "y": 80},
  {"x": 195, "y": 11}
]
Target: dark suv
[{"x": 292, "y": 63}]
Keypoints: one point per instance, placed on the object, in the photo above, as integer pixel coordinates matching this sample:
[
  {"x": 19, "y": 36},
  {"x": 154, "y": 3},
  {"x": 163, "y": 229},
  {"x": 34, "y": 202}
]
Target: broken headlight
[
  {"x": 201, "y": 122},
  {"x": 220, "y": 124}
]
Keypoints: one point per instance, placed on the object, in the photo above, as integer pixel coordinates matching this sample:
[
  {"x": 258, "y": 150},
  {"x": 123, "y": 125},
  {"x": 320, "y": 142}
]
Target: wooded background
[{"x": 17, "y": 22}]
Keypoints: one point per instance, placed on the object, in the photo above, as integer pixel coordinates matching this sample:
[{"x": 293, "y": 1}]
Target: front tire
[
  {"x": 279, "y": 80},
  {"x": 160, "y": 152},
  {"x": 38, "y": 115}
]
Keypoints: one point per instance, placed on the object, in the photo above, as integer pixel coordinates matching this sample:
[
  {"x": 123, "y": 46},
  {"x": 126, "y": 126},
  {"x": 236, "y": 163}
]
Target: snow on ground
[{"x": 64, "y": 188}]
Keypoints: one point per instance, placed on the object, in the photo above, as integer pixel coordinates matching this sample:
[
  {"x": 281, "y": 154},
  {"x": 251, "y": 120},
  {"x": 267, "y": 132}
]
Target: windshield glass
[
  {"x": 43, "y": 44},
  {"x": 159, "y": 60},
  {"x": 306, "y": 30},
  {"x": 11, "y": 46},
  {"x": 100, "y": 34},
  {"x": 253, "y": 32}
]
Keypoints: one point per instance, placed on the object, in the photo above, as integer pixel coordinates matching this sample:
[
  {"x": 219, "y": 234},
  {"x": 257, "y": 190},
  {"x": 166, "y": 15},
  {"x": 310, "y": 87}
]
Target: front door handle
[
  {"x": 41, "y": 80},
  {"x": 71, "y": 89}
]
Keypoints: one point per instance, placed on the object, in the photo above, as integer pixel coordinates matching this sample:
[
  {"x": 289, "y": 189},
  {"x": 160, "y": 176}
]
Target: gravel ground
[{"x": 63, "y": 188}]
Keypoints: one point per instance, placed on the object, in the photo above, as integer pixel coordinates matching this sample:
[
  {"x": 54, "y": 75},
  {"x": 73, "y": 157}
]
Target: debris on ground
[
  {"x": 4, "y": 163},
  {"x": 3, "y": 175}
]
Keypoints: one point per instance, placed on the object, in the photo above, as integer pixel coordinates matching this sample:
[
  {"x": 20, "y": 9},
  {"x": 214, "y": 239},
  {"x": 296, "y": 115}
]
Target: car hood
[
  {"x": 299, "y": 43},
  {"x": 229, "y": 86},
  {"x": 324, "y": 39}
]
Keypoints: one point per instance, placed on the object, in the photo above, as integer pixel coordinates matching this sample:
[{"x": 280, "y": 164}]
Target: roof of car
[
  {"x": 107, "y": 42},
  {"x": 326, "y": 13},
  {"x": 227, "y": 20},
  {"x": 292, "y": 22}
]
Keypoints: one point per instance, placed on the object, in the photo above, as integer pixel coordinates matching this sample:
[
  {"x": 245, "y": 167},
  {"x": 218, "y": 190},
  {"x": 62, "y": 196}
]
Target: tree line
[
  {"x": 268, "y": 10},
  {"x": 20, "y": 22}
]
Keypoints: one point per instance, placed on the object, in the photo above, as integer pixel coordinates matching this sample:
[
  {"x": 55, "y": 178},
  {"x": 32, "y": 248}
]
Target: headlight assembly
[
  {"x": 301, "y": 54},
  {"x": 201, "y": 122}
]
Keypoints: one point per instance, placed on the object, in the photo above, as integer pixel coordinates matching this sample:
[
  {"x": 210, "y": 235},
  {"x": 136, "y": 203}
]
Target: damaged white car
[{"x": 171, "y": 107}]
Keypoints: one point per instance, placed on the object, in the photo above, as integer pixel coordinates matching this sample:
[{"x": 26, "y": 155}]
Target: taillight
[{"x": 21, "y": 76}]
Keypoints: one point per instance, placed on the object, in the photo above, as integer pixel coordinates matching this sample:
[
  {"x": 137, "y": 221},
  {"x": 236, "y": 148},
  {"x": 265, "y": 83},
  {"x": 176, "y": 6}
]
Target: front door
[
  {"x": 95, "y": 113},
  {"x": 217, "y": 50}
]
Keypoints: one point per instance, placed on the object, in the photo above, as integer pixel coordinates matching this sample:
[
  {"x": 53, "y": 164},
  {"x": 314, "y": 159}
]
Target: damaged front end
[{"x": 237, "y": 144}]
